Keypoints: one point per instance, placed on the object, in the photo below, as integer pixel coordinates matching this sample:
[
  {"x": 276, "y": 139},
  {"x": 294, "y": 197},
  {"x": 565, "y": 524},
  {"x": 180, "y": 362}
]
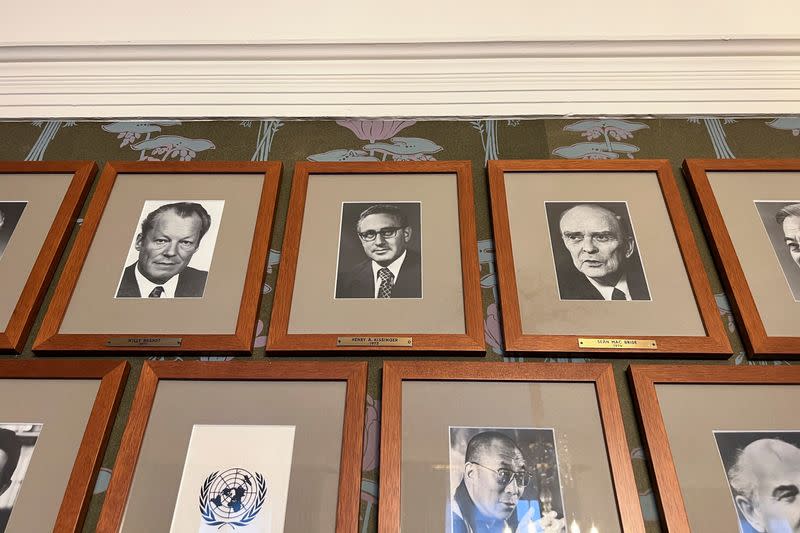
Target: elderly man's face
[
  {"x": 494, "y": 499},
  {"x": 383, "y": 238},
  {"x": 167, "y": 249},
  {"x": 595, "y": 241},
  {"x": 791, "y": 235},
  {"x": 775, "y": 507}
]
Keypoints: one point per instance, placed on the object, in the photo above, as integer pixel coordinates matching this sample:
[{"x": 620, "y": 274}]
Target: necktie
[
  {"x": 157, "y": 292},
  {"x": 618, "y": 294},
  {"x": 385, "y": 288}
]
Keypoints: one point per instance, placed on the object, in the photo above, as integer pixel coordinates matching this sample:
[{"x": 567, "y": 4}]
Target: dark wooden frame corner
[
  {"x": 112, "y": 375},
  {"x": 646, "y": 377},
  {"x": 472, "y": 340},
  {"x": 754, "y": 334},
  {"x": 353, "y": 373},
  {"x": 14, "y": 337},
  {"x": 714, "y": 343},
  {"x": 600, "y": 374},
  {"x": 238, "y": 343}
]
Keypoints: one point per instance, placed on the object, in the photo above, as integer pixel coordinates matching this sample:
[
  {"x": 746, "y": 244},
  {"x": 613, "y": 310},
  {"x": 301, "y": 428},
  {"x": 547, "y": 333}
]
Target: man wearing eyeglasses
[
  {"x": 391, "y": 269},
  {"x": 495, "y": 477}
]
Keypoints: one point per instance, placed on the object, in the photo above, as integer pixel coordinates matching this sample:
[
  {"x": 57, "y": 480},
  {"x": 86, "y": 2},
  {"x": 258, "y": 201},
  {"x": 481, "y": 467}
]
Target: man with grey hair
[
  {"x": 765, "y": 481},
  {"x": 788, "y": 219}
]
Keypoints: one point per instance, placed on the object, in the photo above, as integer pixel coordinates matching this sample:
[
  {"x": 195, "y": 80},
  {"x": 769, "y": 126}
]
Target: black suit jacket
[
  {"x": 573, "y": 284},
  {"x": 360, "y": 282},
  {"x": 191, "y": 283}
]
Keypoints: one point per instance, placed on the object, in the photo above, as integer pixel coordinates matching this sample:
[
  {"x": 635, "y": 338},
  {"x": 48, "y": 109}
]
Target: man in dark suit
[
  {"x": 391, "y": 269},
  {"x": 602, "y": 247},
  {"x": 169, "y": 238}
]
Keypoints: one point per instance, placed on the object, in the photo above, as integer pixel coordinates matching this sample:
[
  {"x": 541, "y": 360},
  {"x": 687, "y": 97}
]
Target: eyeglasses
[
  {"x": 504, "y": 476},
  {"x": 386, "y": 233}
]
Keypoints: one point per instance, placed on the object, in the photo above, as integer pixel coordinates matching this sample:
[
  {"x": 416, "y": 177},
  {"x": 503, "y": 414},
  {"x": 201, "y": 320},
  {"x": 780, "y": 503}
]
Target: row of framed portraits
[
  {"x": 464, "y": 446},
  {"x": 592, "y": 256}
]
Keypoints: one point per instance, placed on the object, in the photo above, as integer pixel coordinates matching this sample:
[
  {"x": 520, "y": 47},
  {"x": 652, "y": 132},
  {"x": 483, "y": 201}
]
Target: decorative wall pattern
[{"x": 478, "y": 140}]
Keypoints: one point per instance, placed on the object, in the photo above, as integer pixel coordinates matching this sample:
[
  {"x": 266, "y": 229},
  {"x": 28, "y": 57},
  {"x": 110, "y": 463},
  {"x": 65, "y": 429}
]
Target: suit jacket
[
  {"x": 191, "y": 283},
  {"x": 360, "y": 281},
  {"x": 574, "y": 285}
]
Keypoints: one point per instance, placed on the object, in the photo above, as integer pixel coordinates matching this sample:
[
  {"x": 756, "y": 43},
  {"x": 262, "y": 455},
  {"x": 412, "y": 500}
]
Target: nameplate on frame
[
  {"x": 619, "y": 344},
  {"x": 122, "y": 342},
  {"x": 404, "y": 342}
]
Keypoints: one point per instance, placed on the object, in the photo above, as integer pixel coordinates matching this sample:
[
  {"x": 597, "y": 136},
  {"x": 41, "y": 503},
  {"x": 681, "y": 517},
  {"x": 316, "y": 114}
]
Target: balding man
[
  {"x": 766, "y": 485},
  {"x": 495, "y": 476},
  {"x": 601, "y": 246}
]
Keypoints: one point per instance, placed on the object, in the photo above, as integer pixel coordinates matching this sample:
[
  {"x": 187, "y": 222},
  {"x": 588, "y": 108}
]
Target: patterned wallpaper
[{"x": 413, "y": 140}]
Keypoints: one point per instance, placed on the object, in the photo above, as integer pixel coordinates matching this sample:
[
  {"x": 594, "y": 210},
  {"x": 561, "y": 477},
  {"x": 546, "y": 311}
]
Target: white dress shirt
[
  {"x": 146, "y": 286},
  {"x": 394, "y": 268},
  {"x": 607, "y": 291}
]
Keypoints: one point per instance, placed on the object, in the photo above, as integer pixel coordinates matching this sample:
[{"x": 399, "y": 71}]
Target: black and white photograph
[
  {"x": 595, "y": 251},
  {"x": 782, "y": 223},
  {"x": 504, "y": 480},
  {"x": 763, "y": 472},
  {"x": 171, "y": 251},
  {"x": 17, "y": 442},
  {"x": 380, "y": 250},
  {"x": 10, "y": 213}
]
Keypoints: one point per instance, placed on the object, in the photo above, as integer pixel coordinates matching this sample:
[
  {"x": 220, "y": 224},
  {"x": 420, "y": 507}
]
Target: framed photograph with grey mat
[
  {"x": 598, "y": 257},
  {"x": 55, "y": 420},
  {"x": 39, "y": 204},
  {"x": 170, "y": 256},
  {"x": 241, "y": 445},
  {"x": 379, "y": 256}
]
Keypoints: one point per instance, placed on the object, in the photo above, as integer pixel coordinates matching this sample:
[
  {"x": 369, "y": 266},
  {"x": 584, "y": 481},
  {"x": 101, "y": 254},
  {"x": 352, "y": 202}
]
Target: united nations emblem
[{"x": 233, "y": 497}]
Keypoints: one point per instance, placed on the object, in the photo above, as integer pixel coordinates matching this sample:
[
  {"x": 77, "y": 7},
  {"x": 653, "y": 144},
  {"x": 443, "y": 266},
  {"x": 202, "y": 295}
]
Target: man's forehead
[
  {"x": 590, "y": 217},
  {"x": 172, "y": 218},
  {"x": 379, "y": 220},
  {"x": 505, "y": 452},
  {"x": 777, "y": 461},
  {"x": 791, "y": 225}
]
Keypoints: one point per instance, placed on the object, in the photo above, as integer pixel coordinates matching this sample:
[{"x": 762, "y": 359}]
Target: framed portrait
[
  {"x": 55, "y": 420},
  {"x": 599, "y": 257},
  {"x": 750, "y": 210},
  {"x": 504, "y": 447},
  {"x": 267, "y": 446},
  {"x": 170, "y": 255},
  {"x": 39, "y": 204},
  {"x": 379, "y": 256},
  {"x": 724, "y": 442}
]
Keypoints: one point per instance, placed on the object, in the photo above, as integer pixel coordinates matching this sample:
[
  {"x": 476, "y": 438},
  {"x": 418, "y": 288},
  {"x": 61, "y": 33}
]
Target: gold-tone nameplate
[
  {"x": 618, "y": 344},
  {"x": 374, "y": 341},
  {"x": 144, "y": 341}
]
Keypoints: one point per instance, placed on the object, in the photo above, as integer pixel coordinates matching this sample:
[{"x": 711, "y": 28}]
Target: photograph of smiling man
[
  {"x": 595, "y": 252},
  {"x": 379, "y": 251},
  {"x": 169, "y": 236}
]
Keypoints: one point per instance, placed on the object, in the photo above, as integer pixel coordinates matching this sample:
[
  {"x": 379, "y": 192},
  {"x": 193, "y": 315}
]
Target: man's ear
[
  {"x": 469, "y": 470},
  {"x": 407, "y": 233},
  {"x": 750, "y": 513},
  {"x": 138, "y": 244},
  {"x": 629, "y": 246}
]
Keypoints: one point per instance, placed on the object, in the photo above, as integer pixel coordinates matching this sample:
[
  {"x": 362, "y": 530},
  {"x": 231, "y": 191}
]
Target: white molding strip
[{"x": 425, "y": 80}]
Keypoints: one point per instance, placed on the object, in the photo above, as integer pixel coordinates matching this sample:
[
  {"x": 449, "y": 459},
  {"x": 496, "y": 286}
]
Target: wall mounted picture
[
  {"x": 598, "y": 257},
  {"x": 750, "y": 209},
  {"x": 258, "y": 446},
  {"x": 553, "y": 459},
  {"x": 181, "y": 270},
  {"x": 724, "y": 442},
  {"x": 39, "y": 204},
  {"x": 379, "y": 256},
  {"x": 17, "y": 442}
]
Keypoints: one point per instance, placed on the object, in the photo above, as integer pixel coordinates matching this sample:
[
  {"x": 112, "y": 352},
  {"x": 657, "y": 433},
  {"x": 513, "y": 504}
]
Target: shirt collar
[
  {"x": 606, "y": 291},
  {"x": 394, "y": 268},
  {"x": 146, "y": 286}
]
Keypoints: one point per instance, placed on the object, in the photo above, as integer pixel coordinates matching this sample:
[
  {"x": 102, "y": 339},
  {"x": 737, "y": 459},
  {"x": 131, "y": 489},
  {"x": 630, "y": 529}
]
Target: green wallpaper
[{"x": 352, "y": 139}]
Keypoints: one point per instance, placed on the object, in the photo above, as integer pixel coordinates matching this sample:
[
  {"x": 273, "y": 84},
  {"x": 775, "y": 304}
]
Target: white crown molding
[{"x": 415, "y": 79}]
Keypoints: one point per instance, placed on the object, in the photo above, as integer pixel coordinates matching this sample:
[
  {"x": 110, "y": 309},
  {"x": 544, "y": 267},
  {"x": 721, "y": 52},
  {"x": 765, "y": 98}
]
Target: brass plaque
[
  {"x": 374, "y": 341},
  {"x": 618, "y": 344},
  {"x": 121, "y": 342}
]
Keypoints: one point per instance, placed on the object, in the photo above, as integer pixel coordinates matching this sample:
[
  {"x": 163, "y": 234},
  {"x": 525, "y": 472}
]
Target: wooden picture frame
[
  {"x": 15, "y": 334},
  {"x": 714, "y": 341},
  {"x": 112, "y": 376},
  {"x": 471, "y": 340},
  {"x": 240, "y": 341},
  {"x": 396, "y": 373},
  {"x": 354, "y": 374},
  {"x": 645, "y": 379},
  {"x": 758, "y": 342}
]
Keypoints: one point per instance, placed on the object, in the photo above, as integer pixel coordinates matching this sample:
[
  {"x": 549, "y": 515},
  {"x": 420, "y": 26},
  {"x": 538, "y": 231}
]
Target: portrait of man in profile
[
  {"x": 763, "y": 471},
  {"x": 595, "y": 252},
  {"x": 379, "y": 251},
  {"x": 170, "y": 235},
  {"x": 781, "y": 219}
]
